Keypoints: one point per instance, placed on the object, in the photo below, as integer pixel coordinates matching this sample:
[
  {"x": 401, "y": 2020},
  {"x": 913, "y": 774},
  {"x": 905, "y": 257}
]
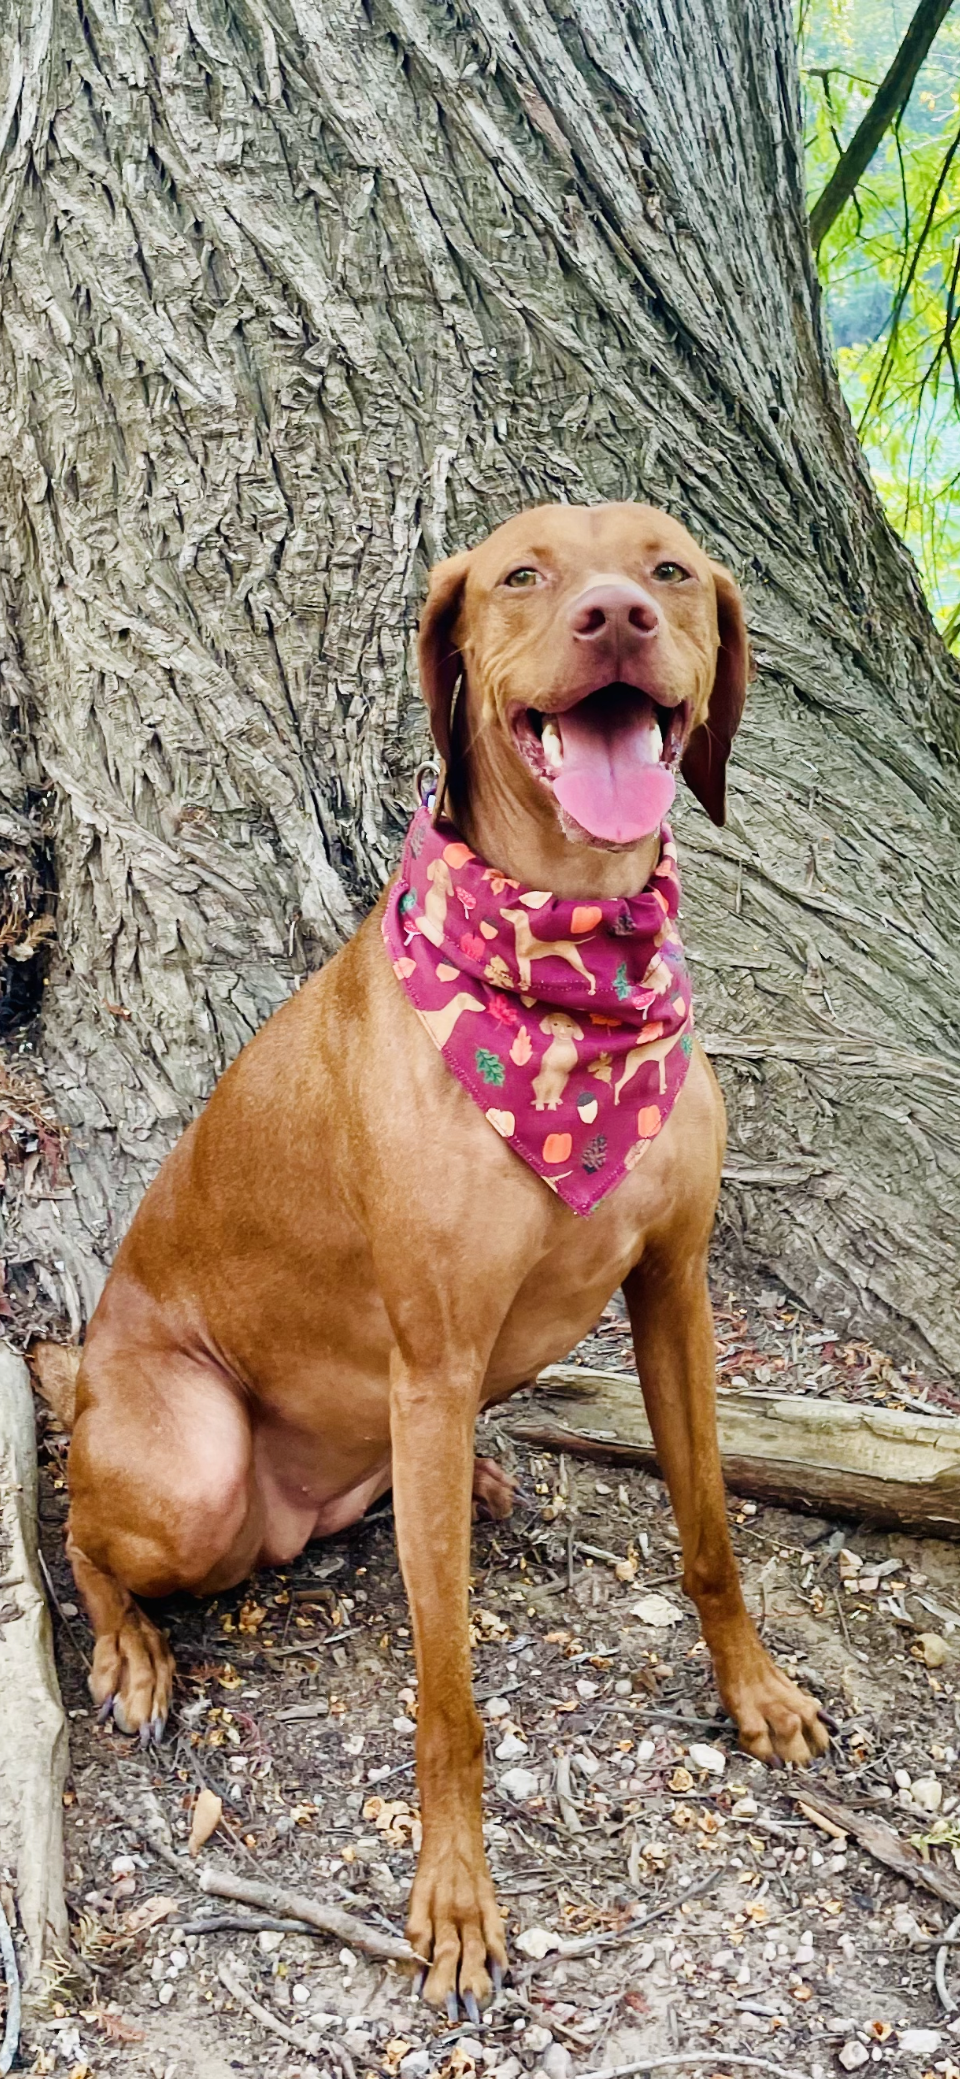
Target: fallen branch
[
  {"x": 33, "y": 1733},
  {"x": 944, "y": 1994},
  {"x": 306, "y": 2045},
  {"x": 11, "y": 2033},
  {"x": 886, "y": 1846},
  {"x": 877, "y": 1465},
  {"x": 717, "y": 2058},
  {"x": 295, "y": 1905},
  {"x": 242, "y": 1924}
]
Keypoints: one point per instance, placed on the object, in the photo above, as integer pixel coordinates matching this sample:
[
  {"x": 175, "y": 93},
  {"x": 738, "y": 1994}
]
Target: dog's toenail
[
  {"x": 156, "y": 1729},
  {"x": 146, "y": 1730},
  {"x": 472, "y": 2010},
  {"x": 419, "y": 1983},
  {"x": 452, "y": 2008},
  {"x": 496, "y": 1976},
  {"x": 105, "y": 1709}
]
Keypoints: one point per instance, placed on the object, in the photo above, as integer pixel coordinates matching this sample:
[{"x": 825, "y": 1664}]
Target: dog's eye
[
  {"x": 523, "y": 577},
  {"x": 670, "y": 573}
]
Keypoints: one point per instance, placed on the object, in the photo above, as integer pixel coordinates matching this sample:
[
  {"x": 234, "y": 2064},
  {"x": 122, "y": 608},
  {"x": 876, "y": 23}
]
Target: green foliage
[
  {"x": 490, "y": 1067},
  {"x": 890, "y": 266}
]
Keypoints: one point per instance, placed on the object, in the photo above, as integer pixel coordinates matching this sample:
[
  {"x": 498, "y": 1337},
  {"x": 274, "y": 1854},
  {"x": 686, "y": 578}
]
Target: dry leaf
[
  {"x": 149, "y": 1913},
  {"x": 207, "y": 1814},
  {"x": 55, "y": 1367},
  {"x": 113, "y": 2025}
]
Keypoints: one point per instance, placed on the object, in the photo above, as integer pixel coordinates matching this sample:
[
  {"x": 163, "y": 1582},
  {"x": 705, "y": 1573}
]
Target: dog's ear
[
  {"x": 704, "y": 763},
  {"x": 440, "y": 660}
]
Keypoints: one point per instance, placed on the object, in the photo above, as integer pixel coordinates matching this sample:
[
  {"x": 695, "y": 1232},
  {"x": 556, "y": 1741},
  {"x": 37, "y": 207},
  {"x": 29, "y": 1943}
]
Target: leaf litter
[{"x": 666, "y": 1898}]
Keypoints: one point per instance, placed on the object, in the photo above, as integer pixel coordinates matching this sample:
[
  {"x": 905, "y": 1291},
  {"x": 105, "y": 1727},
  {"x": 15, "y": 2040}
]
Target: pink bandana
[{"x": 569, "y": 1023}]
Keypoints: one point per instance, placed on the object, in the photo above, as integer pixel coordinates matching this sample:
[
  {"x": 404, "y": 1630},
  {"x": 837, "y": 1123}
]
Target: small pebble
[
  {"x": 511, "y": 1748},
  {"x": 710, "y": 1759},
  {"x": 919, "y": 2042},
  {"x": 927, "y": 1792},
  {"x": 853, "y": 2055},
  {"x": 415, "y": 2065},
  {"x": 496, "y": 1707},
  {"x": 165, "y": 1993},
  {"x": 519, "y": 1784},
  {"x": 536, "y": 2038}
]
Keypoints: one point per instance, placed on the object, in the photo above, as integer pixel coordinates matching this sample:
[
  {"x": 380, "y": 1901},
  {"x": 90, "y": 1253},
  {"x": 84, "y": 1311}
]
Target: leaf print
[
  {"x": 621, "y": 982},
  {"x": 522, "y": 1048},
  {"x": 497, "y": 971},
  {"x": 503, "y": 1010},
  {"x": 686, "y": 1044},
  {"x": 490, "y": 1067},
  {"x": 407, "y": 903}
]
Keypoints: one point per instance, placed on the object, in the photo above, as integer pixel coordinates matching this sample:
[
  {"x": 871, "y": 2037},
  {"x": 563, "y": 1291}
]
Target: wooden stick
[
  {"x": 33, "y": 1731},
  {"x": 887, "y": 1846},
  {"x": 11, "y": 2033},
  {"x": 879, "y": 1465},
  {"x": 238, "y": 1992},
  {"x": 690, "y": 2057},
  {"x": 295, "y": 1905},
  {"x": 944, "y": 1994}
]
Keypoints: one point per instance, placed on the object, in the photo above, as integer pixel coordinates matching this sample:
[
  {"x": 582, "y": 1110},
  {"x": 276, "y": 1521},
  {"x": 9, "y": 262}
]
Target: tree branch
[{"x": 891, "y": 97}]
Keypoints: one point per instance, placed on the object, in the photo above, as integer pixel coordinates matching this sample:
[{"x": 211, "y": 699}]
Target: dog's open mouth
[{"x": 610, "y": 759}]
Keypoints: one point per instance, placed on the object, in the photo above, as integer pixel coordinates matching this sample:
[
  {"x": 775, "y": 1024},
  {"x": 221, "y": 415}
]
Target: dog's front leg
[
  {"x": 453, "y": 1922},
  {"x": 672, "y": 1323}
]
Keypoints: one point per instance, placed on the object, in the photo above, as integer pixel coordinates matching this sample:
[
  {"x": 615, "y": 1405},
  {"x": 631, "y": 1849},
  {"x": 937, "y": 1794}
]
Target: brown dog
[{"x": 312, "y": 1305}]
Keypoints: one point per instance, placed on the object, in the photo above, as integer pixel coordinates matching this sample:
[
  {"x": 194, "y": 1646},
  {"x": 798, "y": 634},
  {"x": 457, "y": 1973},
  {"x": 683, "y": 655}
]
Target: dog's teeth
[{"x": 552, "y": 745}]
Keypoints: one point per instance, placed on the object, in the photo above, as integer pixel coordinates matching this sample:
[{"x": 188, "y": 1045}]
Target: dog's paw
[
  {"x": 776, "y": 1721},
  {"x": 454, "y": 1926},
  {"x": 494, "y": 1491},
  {"x": 132, "y": 1677}
]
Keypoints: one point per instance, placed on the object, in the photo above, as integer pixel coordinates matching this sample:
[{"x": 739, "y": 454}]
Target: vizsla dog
[{"x": 341, "y": 1262}]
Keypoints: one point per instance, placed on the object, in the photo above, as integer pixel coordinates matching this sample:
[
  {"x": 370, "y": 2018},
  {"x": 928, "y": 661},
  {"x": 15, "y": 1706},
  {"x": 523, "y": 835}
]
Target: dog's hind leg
[{"x": 162, "y": 1499}]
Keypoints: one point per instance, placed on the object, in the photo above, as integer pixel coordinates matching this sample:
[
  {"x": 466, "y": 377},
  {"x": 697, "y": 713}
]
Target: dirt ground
[{"x": 664, "y": 1899}]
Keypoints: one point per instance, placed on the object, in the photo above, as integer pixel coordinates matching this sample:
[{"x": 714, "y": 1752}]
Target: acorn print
[{"x": 587, "y": 1107}]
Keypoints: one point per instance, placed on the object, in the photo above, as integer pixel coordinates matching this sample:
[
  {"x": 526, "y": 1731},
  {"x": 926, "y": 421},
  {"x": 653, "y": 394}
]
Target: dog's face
[
  {"x": 560, "y": 1025},
  {"x": 604, "y": 650}
]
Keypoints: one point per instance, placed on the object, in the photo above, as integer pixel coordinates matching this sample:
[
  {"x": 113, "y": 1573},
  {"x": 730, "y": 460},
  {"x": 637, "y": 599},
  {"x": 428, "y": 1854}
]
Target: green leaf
[{"x": 491, "y": 1067}]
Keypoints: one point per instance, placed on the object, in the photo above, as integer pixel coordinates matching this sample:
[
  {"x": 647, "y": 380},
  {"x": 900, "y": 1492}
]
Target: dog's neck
[{"x": 510, "y": 821}]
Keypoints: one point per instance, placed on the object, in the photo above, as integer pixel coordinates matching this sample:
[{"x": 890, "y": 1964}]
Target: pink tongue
[{"x": 611, "y": 780}]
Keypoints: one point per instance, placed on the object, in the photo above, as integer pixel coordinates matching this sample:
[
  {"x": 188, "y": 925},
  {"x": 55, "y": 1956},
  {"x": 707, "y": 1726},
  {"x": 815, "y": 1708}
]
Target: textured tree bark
[{"x": 297, "y": 297}]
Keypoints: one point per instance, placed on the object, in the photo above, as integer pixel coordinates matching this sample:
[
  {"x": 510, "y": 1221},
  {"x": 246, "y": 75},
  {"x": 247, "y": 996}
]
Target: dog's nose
[{"x": 615, "y": 608}]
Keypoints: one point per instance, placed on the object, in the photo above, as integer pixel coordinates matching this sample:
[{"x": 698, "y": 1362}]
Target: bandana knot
[{"x": 569, "y": 1023}]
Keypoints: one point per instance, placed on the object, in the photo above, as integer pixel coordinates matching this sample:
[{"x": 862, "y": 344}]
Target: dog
[
  {"x": 559, "y": 1060},
  {"x": 340, "y": 1263},
  {"x": 530, "y": 948}
]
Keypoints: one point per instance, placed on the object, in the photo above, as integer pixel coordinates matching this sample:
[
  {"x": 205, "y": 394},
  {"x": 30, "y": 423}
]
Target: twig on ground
[
  {"x": 717, "y": 2058},
  {"x": 329, "y": 1920},
  {"x": 885, "y": 1845},
  {"x": 944, "y": 1994},
  {"x": 584, "y": 1945},
  {"x": 242, "y": 1924},
  {"x": 11, "y": 2033},
  {"x": 239, "y": 1992},
  {"x": 61, "y": 1613}
]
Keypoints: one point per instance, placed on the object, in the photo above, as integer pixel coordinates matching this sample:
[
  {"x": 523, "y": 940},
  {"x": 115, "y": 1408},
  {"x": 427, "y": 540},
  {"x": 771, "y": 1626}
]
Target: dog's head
[
  {"x": 560, "y": 1025},
  {"x": 599, "y": 650}
]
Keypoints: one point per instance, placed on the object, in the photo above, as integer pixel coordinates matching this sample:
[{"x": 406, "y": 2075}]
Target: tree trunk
[{"x": 297, "y": 298}]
